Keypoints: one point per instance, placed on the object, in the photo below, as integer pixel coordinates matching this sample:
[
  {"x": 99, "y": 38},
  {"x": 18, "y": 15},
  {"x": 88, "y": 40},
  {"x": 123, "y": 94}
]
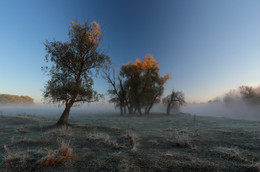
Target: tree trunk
[
  {"x": 149, "y": 108},
  {"x": 121, "y": 109},
  {"x": 146, "y": 110},
  {"x": 124, "y": 109},
  {"x": 65, "y": 115},
  {"x": 135, "y": 110},
  {"x": 130, "y": 109},
  {"x": 168, "y": 109},
  {"x": 139, "y": 110}
]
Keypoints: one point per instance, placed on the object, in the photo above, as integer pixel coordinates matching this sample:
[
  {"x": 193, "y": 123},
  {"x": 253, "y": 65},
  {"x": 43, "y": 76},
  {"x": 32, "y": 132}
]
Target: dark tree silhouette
[
  {"x": 117, "y": 91},
  {"x": 173, "y": 101},
  {"x": 73, "y": 64}
]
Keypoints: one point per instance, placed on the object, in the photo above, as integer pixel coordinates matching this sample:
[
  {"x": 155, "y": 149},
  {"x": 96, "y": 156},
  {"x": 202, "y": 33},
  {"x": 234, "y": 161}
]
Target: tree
[
  {"x": 249, "y": 95},
  {"x": 174, "y": 101},
  {"x": 137, "y": 86},
  {"x": 117, "y": 91},
  {"x": 143, "y": 84},
  {"x": 73, "y": 64},
  {"x": 231, "y": 97}
]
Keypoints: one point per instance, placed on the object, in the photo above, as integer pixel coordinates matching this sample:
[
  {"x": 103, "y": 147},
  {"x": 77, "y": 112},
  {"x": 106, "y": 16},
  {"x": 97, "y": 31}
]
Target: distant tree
[
  {"x": 231, "y": 97},
  {"x": 73, "y": 65},
  {"x": 215, "y": 100},
  {"x": 173, "y": 101},
  {"x": 249, "y": 94}
]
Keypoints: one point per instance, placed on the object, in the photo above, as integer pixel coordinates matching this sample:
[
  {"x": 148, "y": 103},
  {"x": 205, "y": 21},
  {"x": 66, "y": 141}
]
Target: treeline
[
  {"x": 14, "y": 99},
  {"x": 244, "y": 93}
]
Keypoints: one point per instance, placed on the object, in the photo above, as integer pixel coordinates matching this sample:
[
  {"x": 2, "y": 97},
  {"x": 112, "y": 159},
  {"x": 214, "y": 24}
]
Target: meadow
[{"x": 110, "y": 142}]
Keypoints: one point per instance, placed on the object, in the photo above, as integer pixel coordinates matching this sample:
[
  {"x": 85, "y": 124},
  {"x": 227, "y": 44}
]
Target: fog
[
  {"x": 237, "y": 104},
  {"x": 56, "y": 110},
  {"x": 218, "y": 109},
  {"x": 231, "y": 105}
]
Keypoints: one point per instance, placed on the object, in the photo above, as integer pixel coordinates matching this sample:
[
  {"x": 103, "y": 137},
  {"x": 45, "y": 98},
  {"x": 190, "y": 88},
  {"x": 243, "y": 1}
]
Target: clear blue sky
[{"x": 208, "y": 47}]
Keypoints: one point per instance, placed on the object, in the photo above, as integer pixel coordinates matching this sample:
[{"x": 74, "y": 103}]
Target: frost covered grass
[{"x": 115, "y": 143}]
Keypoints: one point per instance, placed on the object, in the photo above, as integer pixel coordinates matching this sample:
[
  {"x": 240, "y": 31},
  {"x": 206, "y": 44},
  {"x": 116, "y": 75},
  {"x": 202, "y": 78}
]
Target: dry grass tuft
[
  {"x": 230, "y": 153},
  {"x": 95, "y": 136},
  {"x": 59, "y": 132},
  {"x": 153, "y": 142},
  {"x": 169, "y": 129},
  {"x": 184, "y": 138},
  {"x": 9, "y": 157},
  {"x": 22, "y": 130},
  {"x": 55, "y": 157},
  {"x": 113, "y": 144},
  {"x": 126, "y": 140},
  {"x": 169, "y": 154},
  {"x": 51, "y": 159},
  {"x": 134, "y": 149},
  {"x": 65, "y": 150},
  {"x": 122, "y": 142},
  {"x": 20, "y": 158},
  {"x": 116, "y": 128}
]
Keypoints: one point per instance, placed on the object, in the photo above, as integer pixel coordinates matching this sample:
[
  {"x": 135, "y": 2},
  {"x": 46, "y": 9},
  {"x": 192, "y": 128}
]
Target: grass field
[{"x": 179, "y": 142}]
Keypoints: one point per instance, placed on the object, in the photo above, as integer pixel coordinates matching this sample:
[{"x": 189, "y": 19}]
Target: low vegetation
[{"x": 154, "y": 143}]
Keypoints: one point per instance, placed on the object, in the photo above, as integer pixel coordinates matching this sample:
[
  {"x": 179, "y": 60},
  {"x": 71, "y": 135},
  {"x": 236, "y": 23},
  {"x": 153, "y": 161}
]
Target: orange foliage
[
  {"x": 93, "y": 34},
  {"x": 147, "y": 64},
  {"x": 166, "y": 77}
]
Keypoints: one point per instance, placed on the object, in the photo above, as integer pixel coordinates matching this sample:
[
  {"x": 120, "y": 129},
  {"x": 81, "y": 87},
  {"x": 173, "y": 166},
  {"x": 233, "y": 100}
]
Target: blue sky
[{"x": 207, "y": 47}]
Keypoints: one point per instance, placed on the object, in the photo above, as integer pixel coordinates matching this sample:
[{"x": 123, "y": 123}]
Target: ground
[{"x": 157, "y": 142}]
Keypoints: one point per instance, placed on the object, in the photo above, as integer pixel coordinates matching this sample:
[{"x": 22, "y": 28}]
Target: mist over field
[
  {"x": 236, "y": 110},
  {"x": 240, "y": 110},
  {"x": 241, "y": 103},
  {"x": 55, "y": 110}
]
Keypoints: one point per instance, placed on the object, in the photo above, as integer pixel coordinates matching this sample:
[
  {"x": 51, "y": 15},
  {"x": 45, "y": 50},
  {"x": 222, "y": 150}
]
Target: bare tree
[
  {"x": 174, "y": 101},
  {"x": 117, "y": 91}
]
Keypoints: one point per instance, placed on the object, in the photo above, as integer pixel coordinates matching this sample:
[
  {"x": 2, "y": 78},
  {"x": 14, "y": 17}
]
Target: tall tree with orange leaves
[{"x": 72, "y": 66}]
